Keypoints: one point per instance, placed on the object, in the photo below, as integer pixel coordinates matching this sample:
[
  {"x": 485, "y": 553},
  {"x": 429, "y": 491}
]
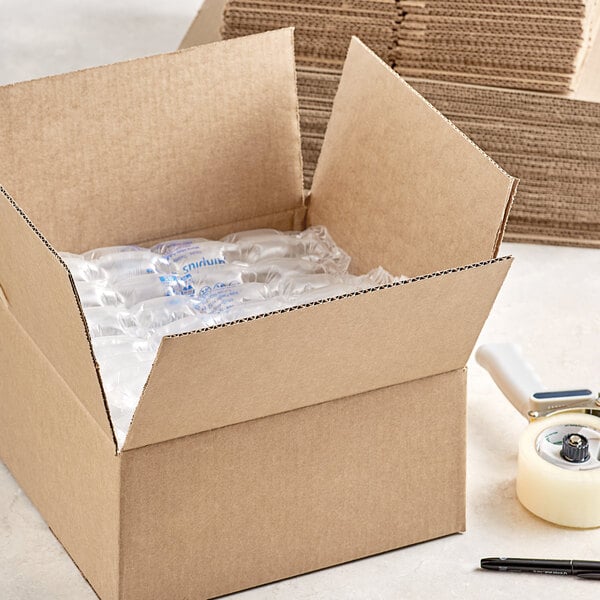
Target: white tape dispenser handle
[
  {"x": 558, "y": 477},
  {"x": 511, "y": 373}
]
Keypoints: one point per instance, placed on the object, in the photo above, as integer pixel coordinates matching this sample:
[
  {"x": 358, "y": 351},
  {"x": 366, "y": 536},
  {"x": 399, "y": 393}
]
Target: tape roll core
[{"x": 567, "y": 497}]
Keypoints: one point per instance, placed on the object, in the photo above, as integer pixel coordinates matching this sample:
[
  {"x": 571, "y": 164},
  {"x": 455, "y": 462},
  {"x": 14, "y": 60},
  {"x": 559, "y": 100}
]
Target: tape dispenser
[{"x": 558, "y": 476}]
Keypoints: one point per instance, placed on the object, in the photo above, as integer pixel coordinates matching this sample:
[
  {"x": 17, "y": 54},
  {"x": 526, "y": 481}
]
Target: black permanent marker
[{"x": 586, "y": 569}]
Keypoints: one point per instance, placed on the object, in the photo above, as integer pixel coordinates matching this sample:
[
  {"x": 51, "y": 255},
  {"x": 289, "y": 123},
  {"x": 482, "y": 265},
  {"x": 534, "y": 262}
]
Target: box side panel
[
  {"x": 39, "y": 293},
  {"x": 315, "y": 354},
  {"x": 156, "y": 147},
  {"x": 397, "y": 184},
  {"x": 60, "y": 457},
  {"x": 229, "y": 509},
  {"x": 206, "y": 27}
]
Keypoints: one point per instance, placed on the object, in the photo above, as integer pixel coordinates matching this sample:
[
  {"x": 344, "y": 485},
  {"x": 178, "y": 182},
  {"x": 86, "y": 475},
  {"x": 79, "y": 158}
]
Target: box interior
[{"x": 206, "y": 141}]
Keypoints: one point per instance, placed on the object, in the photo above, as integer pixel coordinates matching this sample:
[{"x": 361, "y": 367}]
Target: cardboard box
[{"x": 269, "y": 447}]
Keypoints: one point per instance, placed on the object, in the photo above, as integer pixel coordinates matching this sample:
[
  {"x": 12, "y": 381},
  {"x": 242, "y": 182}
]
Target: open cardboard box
[{"x": 274, "y": 446}]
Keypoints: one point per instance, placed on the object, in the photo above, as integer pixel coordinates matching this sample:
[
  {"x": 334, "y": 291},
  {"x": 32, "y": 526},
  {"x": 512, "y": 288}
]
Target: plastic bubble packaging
[{"x": 132, "y": 296}]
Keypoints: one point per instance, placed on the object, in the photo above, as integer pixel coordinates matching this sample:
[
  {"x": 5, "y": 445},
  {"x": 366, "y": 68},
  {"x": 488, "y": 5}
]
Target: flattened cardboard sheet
[
  {"x": 537, "y": 46},
  {"x": 551, "y": 142},
  {"x": 284, "y": 361},
  {"x": 397, "y": 184},
  {"x": 156, "y": 147}
]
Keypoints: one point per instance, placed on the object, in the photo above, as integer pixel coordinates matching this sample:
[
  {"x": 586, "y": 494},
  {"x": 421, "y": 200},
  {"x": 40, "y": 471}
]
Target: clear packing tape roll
[
  {"x": 559, "y": 452},
  {"x": 133, "y": 296},
  {"x": 568, "y": 494}
]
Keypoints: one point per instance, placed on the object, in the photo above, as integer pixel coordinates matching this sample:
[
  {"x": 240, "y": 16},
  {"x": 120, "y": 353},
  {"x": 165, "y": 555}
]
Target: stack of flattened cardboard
[
  {"x": 316, "y": 91},
  {"x": 550, "y": 141},
  {"x": 525, "y": 44},
  {"x": 374, "y": 21}
]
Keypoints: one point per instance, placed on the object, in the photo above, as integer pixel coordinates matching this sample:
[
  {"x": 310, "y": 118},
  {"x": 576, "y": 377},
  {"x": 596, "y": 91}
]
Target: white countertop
[{"x": 550, "y": 304}]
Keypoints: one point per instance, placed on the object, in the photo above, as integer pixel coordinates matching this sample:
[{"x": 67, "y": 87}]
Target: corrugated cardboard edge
[
  {"x": 56, "y": 256},
  {"x": 3, "y": 298},
  {"x": 509, "y": 204},
  {"x": 525, "y": 238},
  {"x": 301, "y": 212},
  {"x": 350, "y": 295}
]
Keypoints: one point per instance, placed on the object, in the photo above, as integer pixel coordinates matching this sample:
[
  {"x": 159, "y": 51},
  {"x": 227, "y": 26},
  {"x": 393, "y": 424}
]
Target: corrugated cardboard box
[{"x": 269, "y": 447}]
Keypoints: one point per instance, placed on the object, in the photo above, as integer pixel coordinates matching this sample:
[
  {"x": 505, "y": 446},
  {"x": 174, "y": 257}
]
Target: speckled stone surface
[{"x": 550, "y": 304}]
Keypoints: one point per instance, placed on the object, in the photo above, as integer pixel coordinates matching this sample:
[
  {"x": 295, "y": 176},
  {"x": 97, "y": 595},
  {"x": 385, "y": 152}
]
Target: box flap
[
  {"x": 206, "y": 27},
  {"x": 330, "y": 350},
  {"x": 39, "y": 293},
  {"x": 157, "y": 147},
  {"x": 397, "y": 184}
]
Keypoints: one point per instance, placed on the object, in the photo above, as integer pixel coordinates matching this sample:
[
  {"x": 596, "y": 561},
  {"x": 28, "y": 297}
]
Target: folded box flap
[
  {"x": 288, "y": 360},
  {"x": 397, "y": 184},
  {"x": 156, "y": 147},
  {"x": 40, "y": 294}
]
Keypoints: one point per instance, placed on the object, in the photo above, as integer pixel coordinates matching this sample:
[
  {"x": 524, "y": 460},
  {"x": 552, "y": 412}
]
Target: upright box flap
[
  {"x": 206, "y": 27},
  {"x": 284, "y": 361},
  {"x": 157, "y": 147},
  {"x": 38, "y": 291},
  {"x": 397, "y": 184}
]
